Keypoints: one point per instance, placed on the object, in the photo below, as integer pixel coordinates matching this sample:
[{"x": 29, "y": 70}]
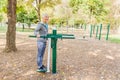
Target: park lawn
[
  {"x": 4, "y": 29},
  {"x": 25, "y": 30},
  {"x": 114, "y": 39}
]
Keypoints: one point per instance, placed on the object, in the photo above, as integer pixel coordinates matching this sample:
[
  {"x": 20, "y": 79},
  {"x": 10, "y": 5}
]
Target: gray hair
[{"x": 44, "y": 15}]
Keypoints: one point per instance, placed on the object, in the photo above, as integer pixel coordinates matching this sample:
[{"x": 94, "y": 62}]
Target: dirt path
[{"x": 76, "y": 60}]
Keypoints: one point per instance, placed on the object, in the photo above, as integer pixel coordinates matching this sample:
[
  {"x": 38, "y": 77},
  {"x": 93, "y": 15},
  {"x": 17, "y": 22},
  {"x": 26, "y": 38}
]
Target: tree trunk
[
  {"x": 38, "y": 2},
  {"x": 11, "y": 30},
  {"x": 39, "y": 18}
]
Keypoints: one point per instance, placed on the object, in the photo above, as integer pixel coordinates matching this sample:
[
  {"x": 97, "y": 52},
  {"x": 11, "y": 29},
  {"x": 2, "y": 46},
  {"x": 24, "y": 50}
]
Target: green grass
[
  {"x": 25, "y": 30},
  {"x": 4, "y": 29},
  {"x": 114, "y": 39}
]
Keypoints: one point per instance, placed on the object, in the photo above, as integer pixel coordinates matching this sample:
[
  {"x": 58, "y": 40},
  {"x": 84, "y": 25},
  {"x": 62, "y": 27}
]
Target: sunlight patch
[
  {"x": 93, "y": 53},
  {"x": 109, "y": 57}
]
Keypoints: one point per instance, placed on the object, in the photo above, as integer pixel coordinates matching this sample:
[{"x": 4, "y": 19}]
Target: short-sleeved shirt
[{"x": 41, "y": 29}]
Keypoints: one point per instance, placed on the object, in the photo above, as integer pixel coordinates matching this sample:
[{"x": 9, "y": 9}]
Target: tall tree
[
  {"x": 40, "y": 4},
  {"x": 114, "y": 15},
  {"x": 11, "y": 31},
  {"x": 96, "y": 9}
]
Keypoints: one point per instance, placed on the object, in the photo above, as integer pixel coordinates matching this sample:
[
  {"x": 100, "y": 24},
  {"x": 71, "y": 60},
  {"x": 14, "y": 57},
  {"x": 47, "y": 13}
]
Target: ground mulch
[{"x": 78, "y": 59}]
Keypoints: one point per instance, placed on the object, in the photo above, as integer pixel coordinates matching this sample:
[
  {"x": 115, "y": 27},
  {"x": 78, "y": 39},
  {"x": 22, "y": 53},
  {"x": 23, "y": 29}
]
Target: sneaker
[
  {"x": 43, "y": 66},
  {"x": 42, "y": 69}
]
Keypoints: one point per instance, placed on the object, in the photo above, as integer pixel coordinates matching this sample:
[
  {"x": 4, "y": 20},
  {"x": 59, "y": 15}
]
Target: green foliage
[
  {"x": 78, "y": 22},
  {"x": 52, "y": 21},
  {"x": 49, "y": 3},
  {"x": 94, "y": 8},
  {"x": 41, "y": 4},
  {"x": 3, "y": 4},
  {"x": 1, "y": 17},
  {"x": 24, "y": 16},
  {"x": 31, "y": 18},
  {"x": 21, "y": 14},
  {"x": 75, "y": 4},
  {"x": 61, "y": 21},
  {"x": 97, "y": 9}
]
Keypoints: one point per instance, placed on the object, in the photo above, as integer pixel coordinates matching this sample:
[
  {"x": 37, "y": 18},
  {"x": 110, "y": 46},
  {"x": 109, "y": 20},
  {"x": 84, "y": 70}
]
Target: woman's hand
[{"x": 38, "y": 36}]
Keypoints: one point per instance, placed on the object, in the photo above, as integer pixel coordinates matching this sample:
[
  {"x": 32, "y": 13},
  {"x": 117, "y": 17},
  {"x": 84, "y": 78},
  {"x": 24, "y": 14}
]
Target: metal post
[
  {"x": 100, "y": 31},
  {"x": 91, "y": 31},
  {"x": 54, "y": 47},
  {"x": 23, "y": 27},
  {"x": 54, "y": 36},
  {"x": 108, "y": 28},
  {"x": 93, "y": 28},
  {"x": 85, "y": 27},
  {"x": 48, "y": 61},
  {"x": 97, "y": 31}
]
